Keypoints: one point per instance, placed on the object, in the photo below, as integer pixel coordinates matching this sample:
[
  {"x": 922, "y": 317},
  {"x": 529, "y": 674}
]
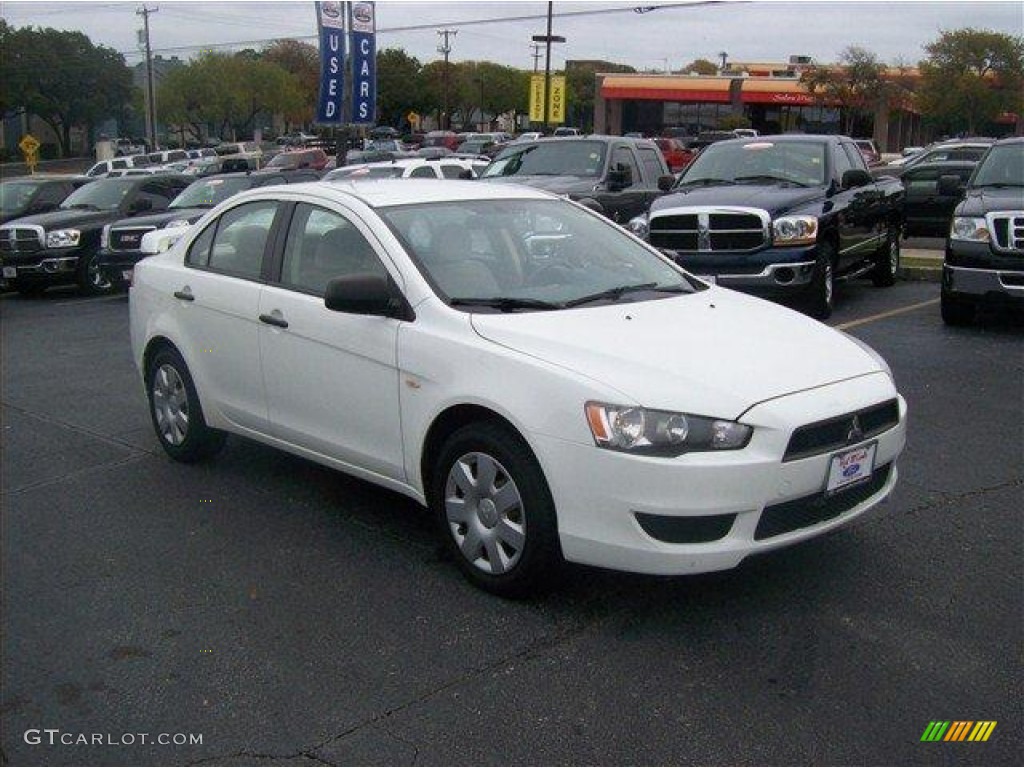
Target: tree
[
  {"x": 970, "y": 77},
  {"x": 399, "y": 86},
  {"x": 701, "y": 67},
  {"x": 580, "y": 86},
  {"x": 302, "y": 61},
  {"x": 859, "y": 84},
  {"x": 63, "y": 79}
]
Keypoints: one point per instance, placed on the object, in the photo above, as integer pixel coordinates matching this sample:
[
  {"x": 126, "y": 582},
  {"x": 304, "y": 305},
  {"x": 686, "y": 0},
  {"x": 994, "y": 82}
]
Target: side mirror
[
  {"x": 366, "y": 294},
  {"x": 620, "y": 177},
  {"x": 855, "y": 177},
  {"x": 665, "y": 183},
  {"x": 951, "y": 185},
  {"x": 141, "y": 205}
]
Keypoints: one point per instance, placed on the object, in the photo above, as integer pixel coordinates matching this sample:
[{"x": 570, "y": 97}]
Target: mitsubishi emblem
[{"x": 855, "y": 433}]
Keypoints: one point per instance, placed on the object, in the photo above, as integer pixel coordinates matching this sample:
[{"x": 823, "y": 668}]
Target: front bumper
[
  {"x": 51, "y": 267},
  {"x": 992, "y": 286},
  {"x": 772, "y": 272},
  {"x": 118, "y": 266},
  {"x": 732, "y": 504}
]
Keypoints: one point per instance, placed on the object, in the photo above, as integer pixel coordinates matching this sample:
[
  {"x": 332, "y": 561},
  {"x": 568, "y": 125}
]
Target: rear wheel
[
  {"x": 821, "y": 299},
  {"x": 91, "y": 280},
  {"x": 495, "y": 511},
  {"x": 887, "y": 260},
  {"x": 956, "y": 311},
  {"x": 175, "y": 410}
]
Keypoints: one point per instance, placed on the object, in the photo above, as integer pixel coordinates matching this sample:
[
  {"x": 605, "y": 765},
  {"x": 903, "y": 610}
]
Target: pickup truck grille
[
  {"x": 128, "y": 239},
  {"x": 1008, "y": 231},
  {"x": 21, "y": 240},
  {"x": 704, "y": 230}
]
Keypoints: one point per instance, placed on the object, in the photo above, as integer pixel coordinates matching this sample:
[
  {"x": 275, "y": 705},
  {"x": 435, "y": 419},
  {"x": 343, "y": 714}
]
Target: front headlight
[
  {"x": 63, "y": 238},
  {"x": 177, "y": 223},
  {"x": 661, "y": 433},
  {"x": 969, "y": 228},
  {"x": 795, "y": 230},
  {"x": 105, "y": 237},
  {"x": 639, "y": 227}
]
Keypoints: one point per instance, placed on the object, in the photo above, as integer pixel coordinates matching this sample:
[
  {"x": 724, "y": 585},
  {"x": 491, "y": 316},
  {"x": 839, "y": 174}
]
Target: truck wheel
[
  {"x": 955, "y": 311},
  {"x": 495, "y": 511},
  {"x": 91, "y": 280},
  {"x": 887, "y": 260},
  {"x": 821, "y": 299}
]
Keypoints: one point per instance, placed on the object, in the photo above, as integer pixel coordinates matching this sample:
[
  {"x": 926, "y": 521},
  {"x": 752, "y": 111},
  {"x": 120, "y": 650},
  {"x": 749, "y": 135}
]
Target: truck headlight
[
  {"x": 662, "y": 433},
  {"x": 969, "y": 228},
  {"x": 63, "y": 238},
  {"x": 638, "y": 226},
  {"x": 795, "y": 230}
]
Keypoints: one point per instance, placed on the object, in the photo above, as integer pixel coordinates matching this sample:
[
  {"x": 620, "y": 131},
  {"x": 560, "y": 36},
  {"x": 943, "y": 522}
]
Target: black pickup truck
[
  {"x": 783, "y": 217},
  {"x": 614, "y": 175}
]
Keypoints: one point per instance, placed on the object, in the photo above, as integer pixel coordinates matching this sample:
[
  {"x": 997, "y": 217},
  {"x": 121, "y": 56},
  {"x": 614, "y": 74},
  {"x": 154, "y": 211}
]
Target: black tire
[
  {"x": 507, "y": 543},
  {"x": 956, "y": 312},
  {"x": 822, "y": 295},
  {"x": 175, "y": 410},
  {"x": 91, "y": 280},
  {"x": 887, "y": 260}
]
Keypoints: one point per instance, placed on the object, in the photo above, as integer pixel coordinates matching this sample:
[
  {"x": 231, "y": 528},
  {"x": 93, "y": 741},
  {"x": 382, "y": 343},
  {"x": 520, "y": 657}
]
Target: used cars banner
[
  {"x": 362, "y": 28},
  {"x": 330, "y": 24}
]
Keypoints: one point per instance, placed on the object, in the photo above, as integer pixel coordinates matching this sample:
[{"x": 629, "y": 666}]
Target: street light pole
[
  {"x": 150, "y": 99},
  {"x": 547, "y": 39}
]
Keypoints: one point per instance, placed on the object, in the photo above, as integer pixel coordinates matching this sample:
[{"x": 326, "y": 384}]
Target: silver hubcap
[
  {"x": 96, "y": 277},
  {"x": 826, "y": 280},
  {"x": 894, "y": 254},
  {"x": 485, "y": 513},
  {"x": 170, "y": 405}
]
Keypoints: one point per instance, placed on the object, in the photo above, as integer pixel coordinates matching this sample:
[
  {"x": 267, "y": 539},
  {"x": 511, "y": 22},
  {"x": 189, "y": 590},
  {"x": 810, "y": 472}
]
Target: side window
[
  {"x": 652, "y": 164},
  {"x": 855, "y": 157},
  {"x": 450, "y": 171},
  {"x": 158, "y": 194},
  {"x": 423, "y": 172},
  {"x": 923, "y": 180},
  {"x": 841, "y": 160},
  {"x": 241, "y": 239},
  {"x": 118, "y": 163},
  {"x": 52, "y": 194},
  {"x": 199, "y": 252},
  {"x": 623, "y": 158},
  {"x": 323, "y": 245}
]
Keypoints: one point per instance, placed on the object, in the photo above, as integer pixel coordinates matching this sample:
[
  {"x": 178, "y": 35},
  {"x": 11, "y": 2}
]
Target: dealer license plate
[
  {"x": 126, "y": 275},
  {"x": 850, "y": 467},
  {"x": 10, "y": 271}
]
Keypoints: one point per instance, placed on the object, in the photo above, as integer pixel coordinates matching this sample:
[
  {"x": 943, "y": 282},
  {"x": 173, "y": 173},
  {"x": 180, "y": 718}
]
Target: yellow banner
[
  {"x": 537, "y": 99},
  {"x": 556, "y": 107}
]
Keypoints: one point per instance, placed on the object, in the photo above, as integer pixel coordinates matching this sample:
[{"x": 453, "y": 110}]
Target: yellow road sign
[
  {"x": 556, "y": 106},
  {"x": 28, "y": 144},
  {"x": 537, "y": 99}
]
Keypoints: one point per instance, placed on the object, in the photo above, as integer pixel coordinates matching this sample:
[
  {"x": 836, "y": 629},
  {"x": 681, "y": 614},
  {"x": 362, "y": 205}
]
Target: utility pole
[
  {"x": 446, "y": 48},
  {"x": 536, "y": 55},
  {"x": 547, "y": 39},
  {"x": 150, "y": 99}
]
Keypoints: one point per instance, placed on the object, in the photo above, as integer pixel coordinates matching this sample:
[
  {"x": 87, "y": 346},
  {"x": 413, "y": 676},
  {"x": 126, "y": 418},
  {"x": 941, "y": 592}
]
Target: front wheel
[
  {"x": 887, "y": 260},
  {"x": 821, "y": 299},
  {"x": 91, "y": 280},
  {"x": 495, "y": 511},
  {"x": 175, "y": 410}
]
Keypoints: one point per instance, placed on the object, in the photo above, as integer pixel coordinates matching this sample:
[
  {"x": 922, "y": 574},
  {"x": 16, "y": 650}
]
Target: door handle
[
  {"x": 185, "y": 294},
  {"x": 275, "y": 320}
]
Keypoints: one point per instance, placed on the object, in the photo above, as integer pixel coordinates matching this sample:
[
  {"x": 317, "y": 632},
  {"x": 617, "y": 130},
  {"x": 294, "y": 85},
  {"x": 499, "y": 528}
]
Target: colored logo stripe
[{"x": 958, "y": 730}]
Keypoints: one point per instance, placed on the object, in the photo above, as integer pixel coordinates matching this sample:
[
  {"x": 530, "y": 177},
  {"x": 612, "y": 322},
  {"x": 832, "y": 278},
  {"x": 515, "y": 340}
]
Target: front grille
[
  {"x": 709, "y": 231},
  {"x": 838, "y": 432},
  {"x": 20, "y": 240},
  {"x": 1008, "y": 231},
  {"x": 788, "y": 516},
  {"x": 128, "y": 239}
]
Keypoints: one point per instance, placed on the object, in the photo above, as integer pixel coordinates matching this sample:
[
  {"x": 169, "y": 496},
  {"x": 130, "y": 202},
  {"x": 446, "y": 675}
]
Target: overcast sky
[{"x": 669, "y": 36}]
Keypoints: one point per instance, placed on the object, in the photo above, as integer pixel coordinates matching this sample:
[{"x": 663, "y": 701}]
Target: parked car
[
  {"x": 970, "y": 150},
  {"x": 541, "y": 379},
  {"x": 564, "y": 130},
  {"x": 783, "y": 217},
  {"x": 249, "y": 151},
  {"x": 870, "y": 152},
  {"x": 410, "y": 168},
  {"x": 316, "y": 159},
  {"x": 745, "y": 133},
  {"x": 125, "y": 146},
  {"x": 984, "y": 264},
  {"x": 121, "y": 241},
  {"x": 164, "y": 156},
  {"x": 929, "y": 210},
  {"x": 613, "y": 175},
  {"x": 62, "y": 247},
  {"x": 677, "y": 155},
  {"x": 103, "y": 167},
  {"x": 296, "y": 139},
  {"x": 26, "y": 195},
  {"x": 385, "y": 133},
  {"x": 446, "y": 139},
  {"x": 527, "y": 136}
]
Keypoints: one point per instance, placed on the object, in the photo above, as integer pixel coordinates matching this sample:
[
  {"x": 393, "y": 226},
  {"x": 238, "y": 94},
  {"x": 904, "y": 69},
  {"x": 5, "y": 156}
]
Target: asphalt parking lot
[{"x": 289, "y": 615}]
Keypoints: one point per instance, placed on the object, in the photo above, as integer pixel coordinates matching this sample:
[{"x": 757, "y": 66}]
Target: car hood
[
  {"x": 713, "y": 353},
  {"x": 66, "y": 218},
  {"x": 774, "y": 198},
  {"x": 557, "y": 184},
  {"x": 987, "y": 199}
]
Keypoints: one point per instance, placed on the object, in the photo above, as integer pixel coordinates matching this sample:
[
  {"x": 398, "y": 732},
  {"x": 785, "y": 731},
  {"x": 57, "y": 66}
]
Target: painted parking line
[{"x": 884, "y": 315}]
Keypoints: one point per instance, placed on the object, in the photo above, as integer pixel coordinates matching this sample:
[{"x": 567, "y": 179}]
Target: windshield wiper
[
  {"x": 704, "y": 182},
  {"x": 504, "y": 303},
  {"x": 83, "y": 207},
  {"x": 621, "y": 290},
  {"x": 769, "y": 177}
]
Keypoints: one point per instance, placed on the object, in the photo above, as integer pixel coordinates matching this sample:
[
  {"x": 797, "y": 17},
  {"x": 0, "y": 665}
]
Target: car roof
[{"x": 384, "y": 193}]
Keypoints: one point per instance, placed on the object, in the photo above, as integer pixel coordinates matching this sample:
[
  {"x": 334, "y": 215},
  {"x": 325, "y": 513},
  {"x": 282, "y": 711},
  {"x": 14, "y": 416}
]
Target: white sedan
[{"x": 548, "y": 385}]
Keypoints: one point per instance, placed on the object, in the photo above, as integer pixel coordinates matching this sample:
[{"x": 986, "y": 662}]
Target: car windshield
[
  {"x": 208, "y": 192},
  {"x": 1002, "y": 166},
  {"x": 797, "y": 162},
  {"x": 550, "y": 158},
  {"x": 14, "y": 195},
  {"x": 101, "y": 195},
  {"x": 507, "y": 255}
]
